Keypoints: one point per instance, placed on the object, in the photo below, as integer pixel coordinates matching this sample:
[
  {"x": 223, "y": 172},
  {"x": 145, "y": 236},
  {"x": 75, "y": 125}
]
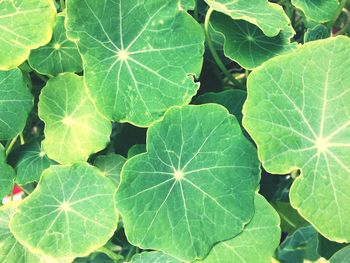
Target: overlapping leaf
[
  {"x": 318, "y": 10},
  {"x": 16, "y": 102},
  {"x": 66, "y": 212},
  {"x": 298, "y": 106},
  {"x": 194, "y": 186},
  {"x": 110, "y": 166},
  {"x": 342, "y": 256},
  {"x": 7, "y": 175},
  {"x": 24, "y": 25},
  {"x": 73, "y": 127},
  {"x": 139, "y": 57},
  {"x": 154, "y": 257}
]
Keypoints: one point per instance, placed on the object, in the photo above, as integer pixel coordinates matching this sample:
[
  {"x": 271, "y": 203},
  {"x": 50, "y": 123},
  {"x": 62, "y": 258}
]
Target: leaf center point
[
  {"x": 65, "y": 206},
  {"x": 178, "y": 174},
  {"x": 57, "y": 46},
  {"x": 123, "y": 55},
  {"x": 322, "y": 145},
  {"x": 68, "y": 121}
]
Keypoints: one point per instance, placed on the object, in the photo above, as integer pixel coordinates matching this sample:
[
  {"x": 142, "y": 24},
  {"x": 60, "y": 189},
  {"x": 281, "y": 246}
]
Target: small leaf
[
  {"x": 255, "y": 12},
  {"x": 257, "y": 242},
  {"x": 58, "y": 56},
  {"x": 193, "y": 187},
  {"x": 65, "y": 211},
  {"x": 318, "y": 10},
  {"x": 316, "y": 33},
  {"x": 16, "y": 102},
  {"x": 297, "y": 107},
  {"x": 139, "y": 58},
  {"x": 7, "y": 175},
  {"x": 154, "y": 257},
  {"x": 136, "y": 149},
  {"x": 246, "y": 44},
  {"x": 342, "y": 256},
  {"x": 24, "y": 25},
  {"x": 110, "y": 166},
  {"x": 73, "y": 127}
]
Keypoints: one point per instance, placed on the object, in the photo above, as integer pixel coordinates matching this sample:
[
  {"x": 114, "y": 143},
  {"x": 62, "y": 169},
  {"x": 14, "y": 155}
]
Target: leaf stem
[
  {"x": 339, "y": 11},
  {"x": 215, "y": 55},
  {"x": 11, "y": 144},
  {"x": 196, "y": 15},
  {"x": 21, "y": 137},
  {"x": 347, "y": 23},
  {"x": 62, "y": 5}
]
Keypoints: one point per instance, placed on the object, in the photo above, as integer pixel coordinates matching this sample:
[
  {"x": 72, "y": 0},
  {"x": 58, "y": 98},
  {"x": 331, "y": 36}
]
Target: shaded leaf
[
  {"x": 110, "y": 166},
  {"x": 342, "y": 256},
  {"x": 136, "y": 149}
]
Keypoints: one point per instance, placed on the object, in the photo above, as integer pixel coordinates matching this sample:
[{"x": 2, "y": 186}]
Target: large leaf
[
  {"x": 139, "y": 58},
  {"x": 24, "y": 25},
  {"x": 66, "y": 212},
  {"x": 269, "y": 17},
  {"x": 342, "y": 256},
  {"x": 246, "y": 44},
  {"x": 318, "y": 10},
  {"x": 154, "y": 257},
  {"x": 257, "y": 242},
  {"x": 16, "y": 102},
  {"x": 193, "y": 187},
  {"x": 58, "y": 56},
  {"x": 7, "y": 175},
  {"x": 297, "y": 111},
  {"x": 11, "y": 251},
  {"x": 73, "y": 127}
]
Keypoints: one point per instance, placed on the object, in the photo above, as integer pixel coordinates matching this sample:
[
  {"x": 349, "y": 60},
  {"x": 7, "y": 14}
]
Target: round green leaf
[
  {"x": 193, "y": 187},
  {"x": 139, "y": 58},
  {"x": 257, "y": 242},
  {"x": 73, "y": 127},
  {"x": 154, "y": 257},
  {"x": 297, "y": 112},
  {"x": 269, "y": 17},
  {"x": 110, "y": 166},
  {"x": 342, "y": 256},
  {"x": 318, "y": 10},
  {"x": 58, "y": 56},
  {"x": 29, "y": 162},
  {"x": 11, "y": 251},
  {"x": 66, "y": 212},
  {"x": 24, "y": 25},
  {"x": 16, "y": 102},
  {"x": 246, "y": 44},
  {"x": 7, "y": 175}
]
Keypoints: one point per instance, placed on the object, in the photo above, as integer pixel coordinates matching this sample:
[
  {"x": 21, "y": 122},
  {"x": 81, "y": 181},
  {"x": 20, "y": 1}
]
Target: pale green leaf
[
  {"x": 58, "y": 56},
  {"x": 318, "y": 10},
  {"x": 110, "y": 166},
  {"x": 66, "y": 212},
  {"x": 193, "y": 187},
  {"x": 269, "y": 17},
  {"x": 154, "y": 257},
  {"x": 257, "y": 242},
  {"x": 7, "y": 175},
  {"x": 342, "y": 256},
  {"x": 297, "y": 107},
  {"x": 246, "y": 44},
  {"x": 136, "y": 149},
  {"x": 24, "y": 25},
  {"x": 16, "y": 102},
  {"x": 139, "y": 58},
  {"x": 73, "y": 127}
]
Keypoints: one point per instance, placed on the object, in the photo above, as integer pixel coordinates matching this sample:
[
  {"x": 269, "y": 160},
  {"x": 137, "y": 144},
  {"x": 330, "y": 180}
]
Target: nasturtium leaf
[
  {"x": 299, "y": 247},
  {"x": 297, "y": 111},
  {"x": 58, "y": 56},
  {"x": 257, "y": 242},
  {"x": 342, "y": 256},
  {"x": 11, "y": 251},
  {"x": 16, "y": 102},
  {"x": 154, "y": 257},
  {"x": 193, "y": 187},
  {"x": 136, "y": 149},
  {"x": 316, "y": 33},
  {"x": 327, "y": 248},
  {"x": 187, "y": 4},
  {"x": 269, "y": 17},
  {"x": 73, "y": 127},
  {"x": 318, "y": 10},
  {"x": 66, "y": 212},
  {"x": 246, "y": 44},
  {"x": 7, "y": 175},
  {"x": 29, "y": 162},
  {"x": 24, "y": 25},
  {"x": 110, "y": 166},
  {"x": 139, "y": 57}
]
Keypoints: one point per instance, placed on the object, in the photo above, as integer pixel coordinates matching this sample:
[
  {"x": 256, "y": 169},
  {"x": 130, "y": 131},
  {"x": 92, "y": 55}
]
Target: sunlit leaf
[
  {"x": 7, "y": 175},
  {"x": 318, "y": 10}
]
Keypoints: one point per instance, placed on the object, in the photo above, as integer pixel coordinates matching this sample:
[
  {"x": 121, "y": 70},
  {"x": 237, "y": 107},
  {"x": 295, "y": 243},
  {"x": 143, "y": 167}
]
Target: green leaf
[
  {"x": 246, "y": 44},
  {"x": 139, "y": 58},
  {"x": 342, "y": 256},
  {"x": 24, "y": 25},
  {"x": 110, "y": 166},
  {"x": 29, "y": 162},
  {"x": 136, "y": 149},
  {"x": 11, "y": 251},
  {"x": 257, "y": 242},
  {"x": 316, "y": 33},
  {"x": 58, "y": 56},
  {"x": 154, "y": 257},
  {"x": 299, "y": 247},
  {"x": 193, "y": 187},
  {"x": 255, "y": 12},
  {"x": 297, "y": 107},
  {"x": 327, "y": 248},
  {"x": 318, "y": 10},
  {"x": 187, "y": 4},
  {"x": 66, "y": 213},
  {"x": 16, "y": 102},
  {"x": 7, "y": 175},
  {"x": 73, "y": 127}
]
